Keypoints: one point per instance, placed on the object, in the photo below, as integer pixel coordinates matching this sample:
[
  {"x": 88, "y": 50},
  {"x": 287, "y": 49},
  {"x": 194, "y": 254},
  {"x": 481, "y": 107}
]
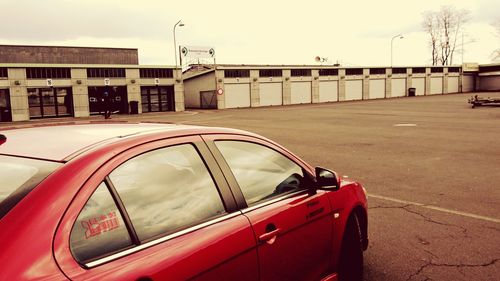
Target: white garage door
[
  {"x": 377, "y": 89},
  {"x": 301, "y": 92},
  {"x": 398, "y": 87},
  {"x": 328, "y": 91},
  {"x": 436, "y": 85},
  {"x": 467, "y": 83},
  {"x": 419, "y": 85},
  {"x": 452, "y": 85},
  {"x": 271, "y": 94},
  {"x": 354, "y": 90},
  {"x": 237, "y": 95}
]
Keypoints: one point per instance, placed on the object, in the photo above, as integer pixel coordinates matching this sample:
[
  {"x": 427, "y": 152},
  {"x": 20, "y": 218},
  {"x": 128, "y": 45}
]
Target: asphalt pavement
[{"x": 431, "y": 166}]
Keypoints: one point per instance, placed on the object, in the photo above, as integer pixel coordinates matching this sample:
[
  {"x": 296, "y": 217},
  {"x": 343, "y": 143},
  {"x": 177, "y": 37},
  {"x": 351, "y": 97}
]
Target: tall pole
[
  {"x": 392, "y": 41},
  {"x": 175, "y": 47}
]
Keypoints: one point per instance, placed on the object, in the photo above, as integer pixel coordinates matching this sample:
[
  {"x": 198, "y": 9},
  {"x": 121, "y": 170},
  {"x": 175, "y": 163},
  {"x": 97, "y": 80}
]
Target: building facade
[{"x": 45, "y": 82}]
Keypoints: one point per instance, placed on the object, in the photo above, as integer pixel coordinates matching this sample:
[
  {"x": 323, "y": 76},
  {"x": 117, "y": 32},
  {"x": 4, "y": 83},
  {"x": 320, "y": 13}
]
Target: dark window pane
[
  {"x": 399, "y": 71},
  {"x": 99, "y": 230},
  {"x": 270, "y": 72},
  {"x": 377, "y": 71},
  {"x": 328, "y": 72},
  {"x": 166, "y": 190},
  {"x": 354, "y": 71},
  {"x": 3, "y": 72},
  {"x": 301, "y": 72},
  {"x": 262, "y": 173}
]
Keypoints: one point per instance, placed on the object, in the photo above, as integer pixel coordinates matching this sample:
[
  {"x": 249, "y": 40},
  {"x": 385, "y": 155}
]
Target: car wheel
[{"x": 351, "y": 255}]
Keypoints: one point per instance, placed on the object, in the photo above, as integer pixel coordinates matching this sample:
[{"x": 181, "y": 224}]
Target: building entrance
[
  {"x": 5, "y": 110},
  {"x": 50, "y": 102},
  {"x": 117, "y": 96},
  {"x": 159, "y": 98}
]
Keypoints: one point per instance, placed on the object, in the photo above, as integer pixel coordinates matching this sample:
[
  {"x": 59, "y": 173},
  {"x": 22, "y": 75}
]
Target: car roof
[{"x": 58, "y": 143}]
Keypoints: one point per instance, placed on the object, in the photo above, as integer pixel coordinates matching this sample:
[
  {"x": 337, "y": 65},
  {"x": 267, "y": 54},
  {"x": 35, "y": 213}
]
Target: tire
[{"x": 351, "y": 254}]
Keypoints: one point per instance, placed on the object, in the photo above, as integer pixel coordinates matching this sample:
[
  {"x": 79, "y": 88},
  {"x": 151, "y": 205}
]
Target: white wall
[
  {"x": 353, "y": 89},
  {"x": 328, "y": 91},
  {"x": 237, "y": 95},
  {"x": 436, "y": 85},
  {"x": 398, "y": 87},
  {"x": 271, "y": 94},
  {"x": 301, "y": 92},
  {"x": 377, "y": 89}
]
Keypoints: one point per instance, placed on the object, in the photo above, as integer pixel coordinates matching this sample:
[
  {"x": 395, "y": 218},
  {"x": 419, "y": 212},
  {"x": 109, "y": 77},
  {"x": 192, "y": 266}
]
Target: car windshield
[{"x": 18, "y": 177}]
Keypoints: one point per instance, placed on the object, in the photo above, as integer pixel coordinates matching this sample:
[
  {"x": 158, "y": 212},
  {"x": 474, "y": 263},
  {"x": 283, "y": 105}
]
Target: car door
[
  {"x": 292, "y": 223},
  {"x": 160, "y": 211}
]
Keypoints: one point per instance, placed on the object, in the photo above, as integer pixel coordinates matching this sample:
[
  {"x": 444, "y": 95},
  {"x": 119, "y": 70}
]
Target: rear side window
[
  {"x": 18, "y": 176},
  {"x": 100, "y": 229},
  {"x": 167, "y": 190},
  {"x": 262, "y": 173}
]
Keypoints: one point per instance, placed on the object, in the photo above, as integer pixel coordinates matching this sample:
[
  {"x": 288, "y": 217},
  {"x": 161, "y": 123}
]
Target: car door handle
[{"x": 269, "y": 237}]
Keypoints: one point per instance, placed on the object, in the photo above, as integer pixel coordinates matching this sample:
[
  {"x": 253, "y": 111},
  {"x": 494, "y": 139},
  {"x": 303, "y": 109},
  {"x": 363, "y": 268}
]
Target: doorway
[
  {"x": 117, "y": 95},
  {"x": 5, "y": 110},
  {"x": 50, "y": 102},
  {"x": 157, "y": 99}
]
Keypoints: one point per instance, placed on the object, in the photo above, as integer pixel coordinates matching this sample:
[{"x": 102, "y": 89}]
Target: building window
[
  {"x": 399, "y": 71},
  {"x": 377, "y": 71},
  {"x": 418, "y": 70},
  {"x": 436, "y": 70},
  {"x": 454, "y": 69},
  {"x": 354, "y": 71},
  {"x": 270, "y": 73},
  {"x": 105, "y": 73},
  {"x": 3, "y": 72},
  {"x": 48, "y": 73},
  {"x": 328, "y": 72},
  {"x": 489, "y": 68},
  {"x": 156, "y": 73},
  {"x": 155, "y": 99},
  {"x": 236, "y": 73},
  {"x": 50, "y": 102},
  {"x": 301, "y": 72}
]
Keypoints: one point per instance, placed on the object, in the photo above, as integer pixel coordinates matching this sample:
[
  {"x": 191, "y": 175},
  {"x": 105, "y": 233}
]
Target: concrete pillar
[
  {"x": 178, "y": 91},
  {"x": 427, "y": 81},
  {"x": 341, "y": 84},
  {"x": 80, "y": 92},
  {"x": 315, "y": 86},
  {"x": 254, "y": 88},
  {"x": 388, "y": 83},
  {"x": 287, "y": 87},
  {"x": 445, "y": 80},
  {"x": 133, "y": 88},
  {"x": 366, "y": 83},
  {"x": 219, "y": 77},
  {"x": 409, "y": 75},
  {"x": 18, "y": 94}
]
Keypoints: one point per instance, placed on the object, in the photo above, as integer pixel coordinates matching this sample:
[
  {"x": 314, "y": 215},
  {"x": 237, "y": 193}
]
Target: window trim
[
  {"x": 236, "y": 189},
  {"x": 64, "y": 256}
]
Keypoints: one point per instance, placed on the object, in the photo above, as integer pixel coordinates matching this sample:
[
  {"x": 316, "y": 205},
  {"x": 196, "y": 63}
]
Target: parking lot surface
[{"x": 431, "y": 166}]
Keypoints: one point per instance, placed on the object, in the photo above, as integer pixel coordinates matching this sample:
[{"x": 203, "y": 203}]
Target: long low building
[
  {"x": 46, "y": 82},
  {"x": 239, "y": 86}
]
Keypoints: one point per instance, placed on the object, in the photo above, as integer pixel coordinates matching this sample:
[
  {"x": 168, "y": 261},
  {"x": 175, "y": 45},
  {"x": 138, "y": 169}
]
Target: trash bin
[
  {"x": 411, "y": 92},
  {"x": 134, "y": 107}
]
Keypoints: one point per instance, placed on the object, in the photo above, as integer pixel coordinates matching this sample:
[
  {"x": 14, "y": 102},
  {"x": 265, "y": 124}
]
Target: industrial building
[{"x": 43, "y": 82}]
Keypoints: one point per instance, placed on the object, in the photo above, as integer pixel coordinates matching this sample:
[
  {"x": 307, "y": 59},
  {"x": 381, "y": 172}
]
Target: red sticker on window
[{"x": 98, "y": 225}]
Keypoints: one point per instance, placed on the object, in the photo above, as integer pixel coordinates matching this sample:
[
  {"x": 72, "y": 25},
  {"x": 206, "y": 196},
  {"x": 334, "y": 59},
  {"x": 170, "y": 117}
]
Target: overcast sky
[{"x": 354, "y": 33}]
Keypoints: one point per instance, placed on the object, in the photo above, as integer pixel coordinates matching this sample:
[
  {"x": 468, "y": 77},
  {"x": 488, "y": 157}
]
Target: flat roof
[
  {"x": 71, "y": 47},
  {"x": 26, "y": 65}
]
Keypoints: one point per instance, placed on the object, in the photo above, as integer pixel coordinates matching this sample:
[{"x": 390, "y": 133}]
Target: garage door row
[{"x": 271, "y": 94}]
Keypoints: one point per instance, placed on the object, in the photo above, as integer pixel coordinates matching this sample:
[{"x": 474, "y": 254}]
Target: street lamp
[
  {"x": 179, "y": 23},
  {"x": 392, "y": 40}
]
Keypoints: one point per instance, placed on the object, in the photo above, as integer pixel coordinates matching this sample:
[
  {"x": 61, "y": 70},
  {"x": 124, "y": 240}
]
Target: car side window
[
  {"x": 99, "y": 229},
  {"x": 261, "y": 172},
  {"x": 166, "y": 190}
]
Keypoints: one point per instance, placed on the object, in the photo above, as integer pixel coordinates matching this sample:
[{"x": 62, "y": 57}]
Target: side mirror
[{"x": 326, "y": 179}]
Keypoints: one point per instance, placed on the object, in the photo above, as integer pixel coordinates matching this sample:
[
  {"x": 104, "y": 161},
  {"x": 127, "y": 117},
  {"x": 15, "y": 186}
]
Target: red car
[{"x": 171, "y": 202}]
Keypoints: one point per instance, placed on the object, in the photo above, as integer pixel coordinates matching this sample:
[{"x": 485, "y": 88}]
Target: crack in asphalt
[
  {"x": 458, "y": 266},
  {"x": 426, "y": 218}
]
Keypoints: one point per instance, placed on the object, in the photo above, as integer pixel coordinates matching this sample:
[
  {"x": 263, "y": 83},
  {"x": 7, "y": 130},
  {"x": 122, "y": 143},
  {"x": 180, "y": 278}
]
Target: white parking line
[{"x": 444, "y": 210}]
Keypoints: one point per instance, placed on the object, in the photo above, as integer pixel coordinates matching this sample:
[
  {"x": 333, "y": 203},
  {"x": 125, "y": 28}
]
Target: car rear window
[{"x": 18, "y": 177}]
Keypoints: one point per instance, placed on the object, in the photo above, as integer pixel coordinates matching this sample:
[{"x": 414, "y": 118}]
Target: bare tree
[
  {"x": 444, "y": 27},
  {"x": 496, "y": 53}
]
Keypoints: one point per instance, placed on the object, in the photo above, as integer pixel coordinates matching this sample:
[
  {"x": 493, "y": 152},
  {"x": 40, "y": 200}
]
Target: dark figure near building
[{"x": 106, "y": 103}]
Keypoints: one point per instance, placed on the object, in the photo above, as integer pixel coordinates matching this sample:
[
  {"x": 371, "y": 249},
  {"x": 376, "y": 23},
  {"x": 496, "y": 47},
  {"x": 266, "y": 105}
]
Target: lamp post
[
  {"x": 392, "y": 40},
  {"x": 179, "y": 23}
]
